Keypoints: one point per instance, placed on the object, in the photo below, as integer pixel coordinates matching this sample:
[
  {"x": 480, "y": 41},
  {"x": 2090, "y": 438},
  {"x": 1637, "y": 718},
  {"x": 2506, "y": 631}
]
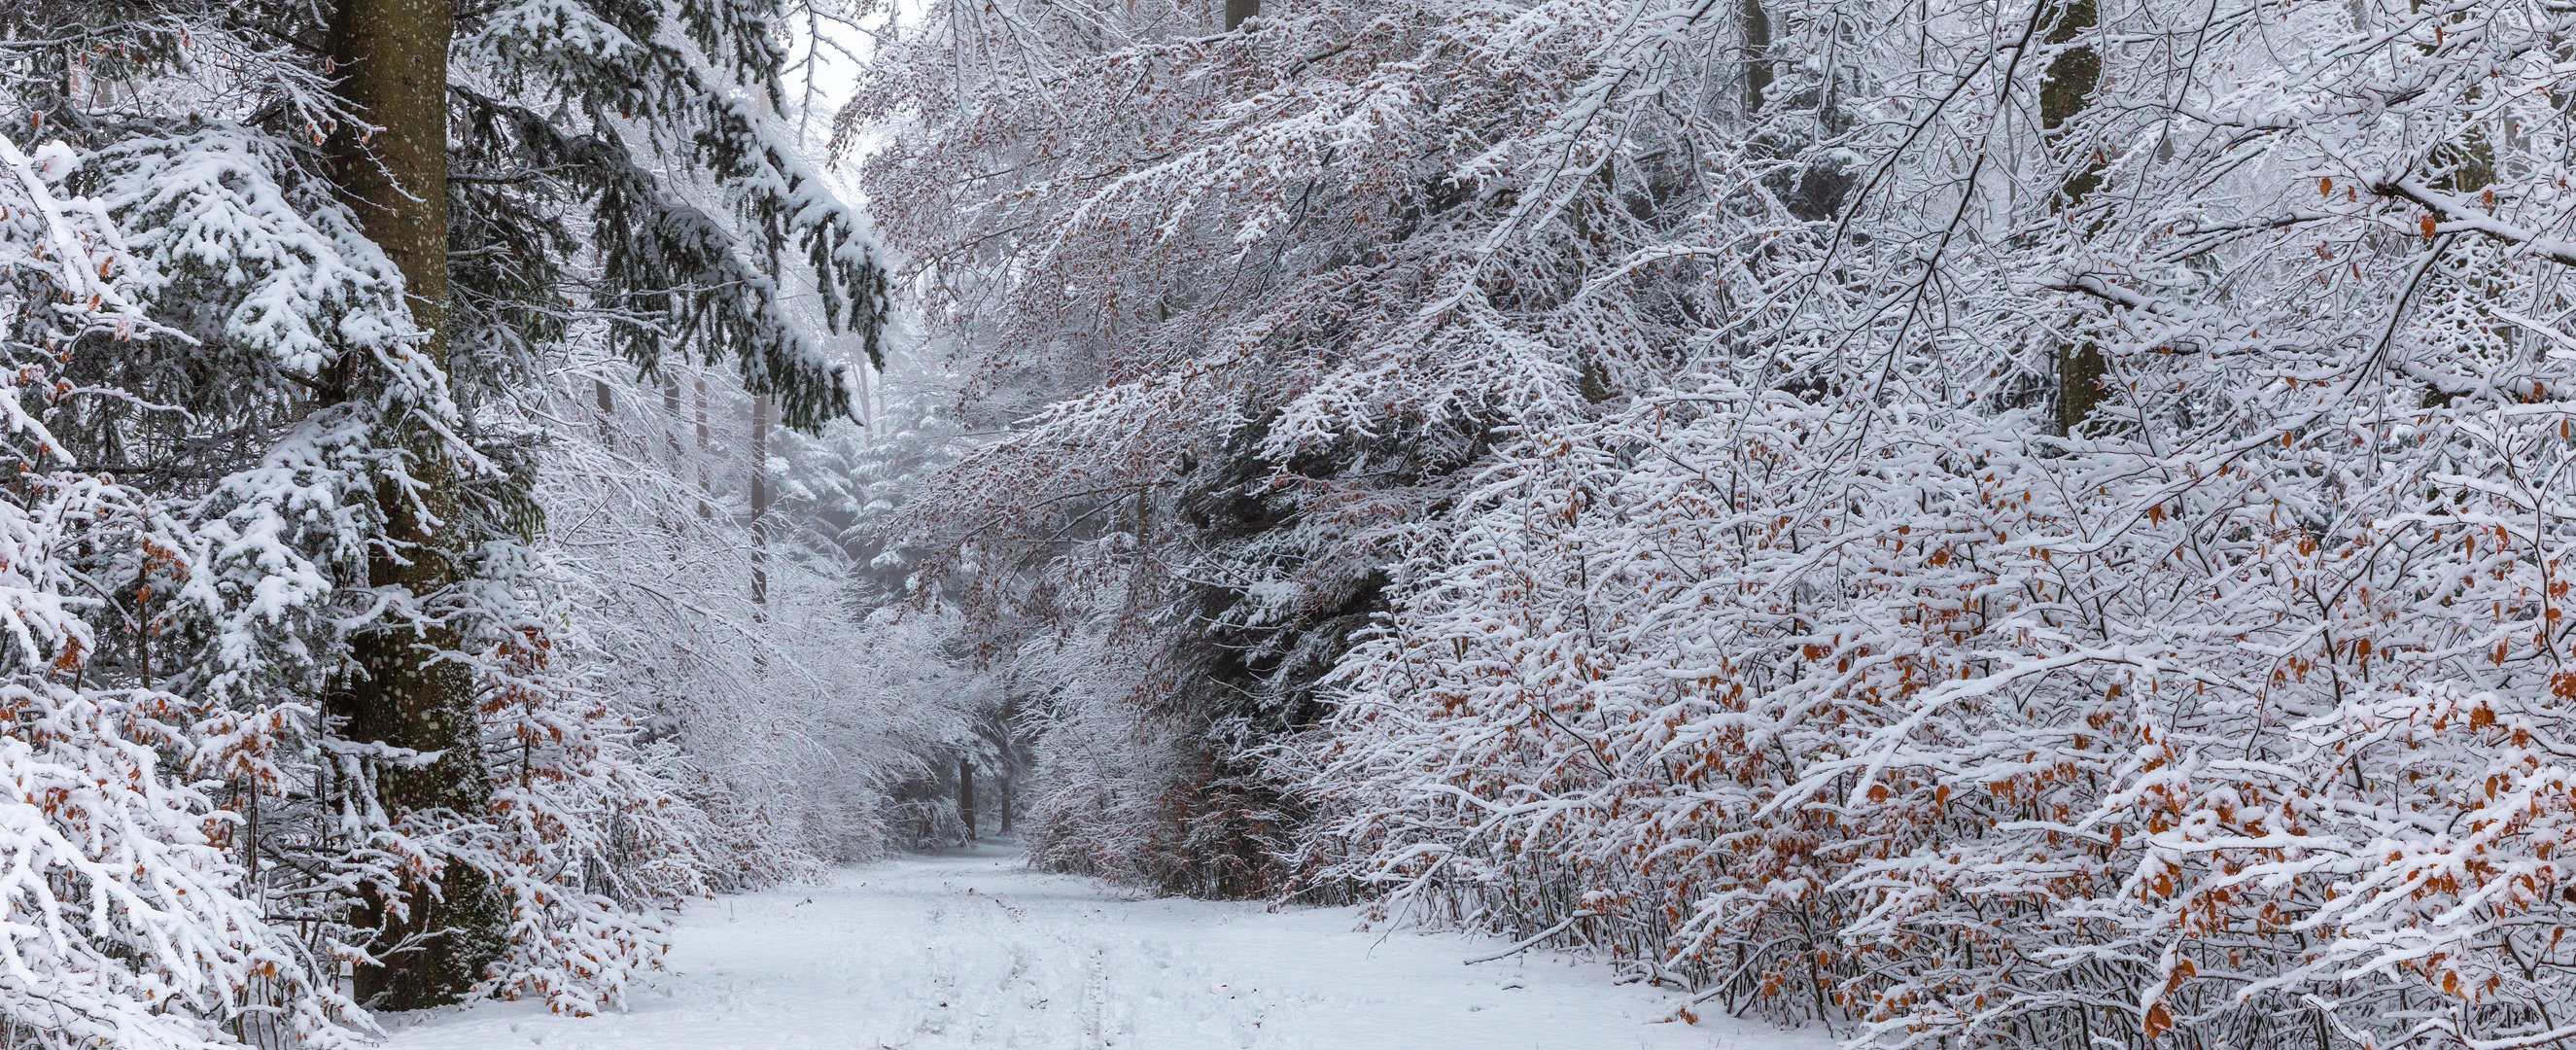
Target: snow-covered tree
[
  {"x": 1875, "y": 669},
  {"x": 1285, "y": 285},
  {"x": 2028, "y": 524},
  {"x": 322, "y": 245},
  {"x": 125, "y": 919}
]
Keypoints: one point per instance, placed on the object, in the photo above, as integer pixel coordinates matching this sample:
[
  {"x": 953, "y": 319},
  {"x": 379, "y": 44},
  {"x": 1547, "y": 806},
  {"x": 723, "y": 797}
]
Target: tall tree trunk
[
  {"x": 867, "y": 409},
  {"x": 1755, "y": 25},
  {"x": 760, "y": 495},
  {"x": 671, "y": 410},
  {"x": 966, "y": 795},
  {"x": 391, "y": 56},
  {"x": 706, "y": 485},
  {"x": 2064, "y": 91}
]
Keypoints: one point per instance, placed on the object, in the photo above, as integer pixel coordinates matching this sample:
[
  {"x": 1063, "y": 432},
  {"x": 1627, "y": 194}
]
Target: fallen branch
[{"x": 1532, "y": 942}]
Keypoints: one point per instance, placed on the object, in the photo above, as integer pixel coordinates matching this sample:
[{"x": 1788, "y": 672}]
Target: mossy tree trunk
[{"x": 391, "y": 58}]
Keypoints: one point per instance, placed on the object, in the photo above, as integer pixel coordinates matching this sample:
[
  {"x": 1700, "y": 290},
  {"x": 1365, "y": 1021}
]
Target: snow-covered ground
[{"x": 972, "y": 950}]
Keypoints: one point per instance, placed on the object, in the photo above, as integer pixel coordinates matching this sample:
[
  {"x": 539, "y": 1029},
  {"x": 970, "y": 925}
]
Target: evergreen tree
[
  {"x": 403, "y": 692},
  {"x": 349, "y": 234}
]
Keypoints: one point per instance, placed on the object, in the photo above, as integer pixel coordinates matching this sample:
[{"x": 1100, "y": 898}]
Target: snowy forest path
[{"x": 970, "y": 949}]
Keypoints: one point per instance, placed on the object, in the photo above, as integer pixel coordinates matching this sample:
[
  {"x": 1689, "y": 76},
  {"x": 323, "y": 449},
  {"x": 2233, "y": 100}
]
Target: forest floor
[{"x": 971, "y": 949}]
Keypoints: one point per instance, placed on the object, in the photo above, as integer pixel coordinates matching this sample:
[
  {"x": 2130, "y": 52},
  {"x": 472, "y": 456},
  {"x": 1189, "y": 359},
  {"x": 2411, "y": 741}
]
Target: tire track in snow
[
  {"x": 977, "y": 953},
  {"x": 1095, "y": 1002}
]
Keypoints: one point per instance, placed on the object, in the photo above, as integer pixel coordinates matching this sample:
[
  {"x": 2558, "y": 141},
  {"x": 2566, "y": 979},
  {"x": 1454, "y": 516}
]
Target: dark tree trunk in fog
[
  {"x": 1755, "y": 24},
  {"x": 706, "y": 440},
  {"x": 760, "y": 505},
  {"x": 966, "y": 795}
]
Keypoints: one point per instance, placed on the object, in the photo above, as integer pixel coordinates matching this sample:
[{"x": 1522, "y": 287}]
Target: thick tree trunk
[
  {"x": 2064, "y": 91},
  {"x": 966, "y": 795},
  {"x": 1238, "y": 10},
  {"x": 391, "y": 56}
]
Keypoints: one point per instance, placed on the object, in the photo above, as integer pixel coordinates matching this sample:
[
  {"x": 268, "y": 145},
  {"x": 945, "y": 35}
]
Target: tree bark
[
  {"x": 1238, "y": 10},
  {"x": 706, "y": 484},
  {"x": 2065, "y": 89},
  {"x": 760, "y": 496},
  {"x": 867, "y": 409},
  {"x": 391, "y": 56},
  {"x": 966, "y": 795},
  {"x": 671, "y": 410},
  {"x": 1755, "y": 24}
]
